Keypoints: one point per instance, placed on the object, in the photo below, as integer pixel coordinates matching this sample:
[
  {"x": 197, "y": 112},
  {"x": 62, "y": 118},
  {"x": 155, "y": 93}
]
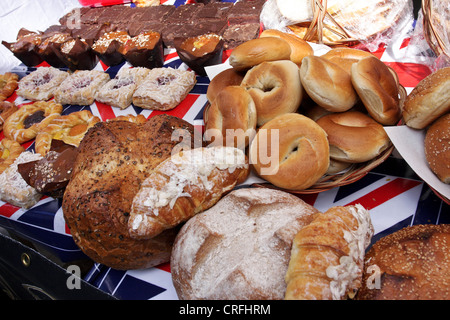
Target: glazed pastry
[
  {"x": 69, "y": 128},
  {"x": 80, "y": 87},
  {"x": 164, "y": 88},
  {"x": 6, "y": 109},
  {"x": 24, "y": 124},
  {"x": 9, "y": 151},
  {"x": 8, "y": 83},
  {"x": 41, "y": 83}
]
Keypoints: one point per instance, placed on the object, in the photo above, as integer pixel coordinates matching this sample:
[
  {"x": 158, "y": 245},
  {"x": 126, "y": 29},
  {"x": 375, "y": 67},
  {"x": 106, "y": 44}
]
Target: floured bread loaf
[
  {"x": 114, "y": 159},
  {"x": 239, "y": 248}
]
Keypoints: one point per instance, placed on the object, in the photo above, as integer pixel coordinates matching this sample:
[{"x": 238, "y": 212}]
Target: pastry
[
  {"x": 8, "y": 84},
  {"x": 9, "y": 151},
  {"x": 41, "y": 84},
  {"x": 6, "y": 109},
  {"x": 25, "y": 47},
  {"x": 108, "y": 47},
  {"x": 145, "y": 50}
]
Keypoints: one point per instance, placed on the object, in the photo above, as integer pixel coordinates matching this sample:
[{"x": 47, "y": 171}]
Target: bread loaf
[
  {"x": 114, "y": 158},
  {"x": 239, "y": 248},
  {"x": 183, "y": 185}
]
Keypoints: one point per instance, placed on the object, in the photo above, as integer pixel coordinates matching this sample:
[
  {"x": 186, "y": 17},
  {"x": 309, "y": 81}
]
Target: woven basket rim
[{"x": 431, "y": 35}]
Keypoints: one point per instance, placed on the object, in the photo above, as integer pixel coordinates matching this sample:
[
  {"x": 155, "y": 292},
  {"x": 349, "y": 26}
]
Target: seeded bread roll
[{"x": 437, "y": 148}]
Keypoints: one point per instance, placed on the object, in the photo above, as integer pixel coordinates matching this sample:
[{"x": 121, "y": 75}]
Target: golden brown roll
[
  {"x": 327, "y": 84},
  {"x": 346, "y": 57},
  {"x": 353, "y": 136},
  {"x": 231, "y": 118},
  {"x": 428, "y": 100},
  {"x": 437, "y": 148},
  {"x": 378, "y": 90},
  {"x": 228, "y": 77},
  {"x": 275, "y": 87},
  {"x": 290, "y": 151},
  {"x": 299, "y": 47},
  {"x": 410, "y": 264},
  {"x": 255, "y": 51}
]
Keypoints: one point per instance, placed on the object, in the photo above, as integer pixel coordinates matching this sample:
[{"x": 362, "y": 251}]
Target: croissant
[
  {"x": 183, "y": 185},
  {"x": 327, "y": 256}
]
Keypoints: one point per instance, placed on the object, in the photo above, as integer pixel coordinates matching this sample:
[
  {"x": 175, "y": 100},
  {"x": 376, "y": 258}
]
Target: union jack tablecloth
[{"x": 394, "y": 194}]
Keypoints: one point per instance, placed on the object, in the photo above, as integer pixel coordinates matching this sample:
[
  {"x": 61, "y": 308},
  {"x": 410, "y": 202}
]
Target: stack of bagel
[{"x": 299, "y": 115}]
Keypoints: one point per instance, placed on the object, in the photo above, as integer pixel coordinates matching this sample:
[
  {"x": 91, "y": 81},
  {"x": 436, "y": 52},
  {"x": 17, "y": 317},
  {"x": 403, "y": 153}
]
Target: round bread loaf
[
  {"x": 240, "y": 248},
  {"x": 353, "y": 136},
  {"x": 299, "y": 47},
  {"x": 114, "y": 158},
  {"x": 437, "y": 148},
  {"x": 378, "y": 89},
  {"x": 428, "y": 100},
  {"x": 410, "y": 264},
  {"x": 228, "y": 77},
  {"x": 291, "y": 151},
  {"x": 255, "y": 51},
  {"x": 327, "y": 84},
  {"x": 233, "y": 115},
  {"x": 346, "y": 57},
  {"x": 275, "y": 87}
]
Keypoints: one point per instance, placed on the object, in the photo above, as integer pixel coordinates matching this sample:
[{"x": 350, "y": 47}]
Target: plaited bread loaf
[
  {"x": 327, "y": 255},
  {"x": 114, "y": 159},
  {"x": 183, "y": 185},
  {"x": 239, "y": 248}
]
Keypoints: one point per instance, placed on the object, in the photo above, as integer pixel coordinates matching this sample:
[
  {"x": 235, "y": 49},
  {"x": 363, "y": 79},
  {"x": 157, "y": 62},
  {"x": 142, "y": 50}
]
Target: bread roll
[
  {"x": 114, "y": 158},
  {"x": 240, "y": 248},
  {"x": 228, "y": 77},
  {"x": 299, "y": 47},
  {"x": 275, "y": 88},
  {"x": 183, "y": 185},
  {"x": 437, "y": 148},
  {"x": 428, "y": 100},
  {"x": 353, "y": 136},
  {"x": 256, "y": 51},
  {"x": 378, "y": 90},
  {"x": 410, "y": 264},
  {"x": 291, "y": 151},
  {"x": 327, "y": 84},
  {"x": 327, "y": 255},
  {"x": 346, "y": 57},
  {"x": 233, "y": 116}
]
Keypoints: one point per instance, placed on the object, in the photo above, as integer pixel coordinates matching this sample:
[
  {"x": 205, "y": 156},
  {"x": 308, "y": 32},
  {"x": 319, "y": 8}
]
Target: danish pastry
[
  {"x": 80, "y": 87},
  {"x": 131, "y": 118},
  {"x": 9, "y": 151},
  {"x": 118, "y": 92},
  {"x": 69, "y": 128},
  {"x": 6, "y": 109},
  {"x": 8, "y": 83},
  {"x": 164, "y": 88},
  {"x": 13, "y": 188},
  {"x": 41, "y": 84},
  {"x": 24, "y": 124}
]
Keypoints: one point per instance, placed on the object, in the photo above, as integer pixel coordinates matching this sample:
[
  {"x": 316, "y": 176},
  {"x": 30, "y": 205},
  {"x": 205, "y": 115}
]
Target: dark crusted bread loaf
[{"x": 114, "y": 158}]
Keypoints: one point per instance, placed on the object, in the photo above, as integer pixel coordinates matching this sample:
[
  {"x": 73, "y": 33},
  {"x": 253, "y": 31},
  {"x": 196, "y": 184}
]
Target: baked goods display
[
  {"x": 41, "y": 84},
  {"x": 80, "y": 87},
  {"x": 8, "y": 83},
  {"x": 428, "y": 100},
  {"x": 409, "y": 264},
  {"x": 239, "y": 248},
  {"x": 327, "y": 257},
  {"x": 9, "y": 151},
  {"x": 164, "y": 88},
  {"x": 183, "y": 185},
  {"x": 437, "y": 147},
  {"x": 6, "y": 109},
  {"x": 24, "y": 124}
]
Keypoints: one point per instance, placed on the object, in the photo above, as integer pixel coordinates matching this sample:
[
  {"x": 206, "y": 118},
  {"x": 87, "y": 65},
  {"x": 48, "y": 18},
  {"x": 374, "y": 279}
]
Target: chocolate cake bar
[
  {"x": 236, "y": 34},
  {"x": 245, "y": 12}
]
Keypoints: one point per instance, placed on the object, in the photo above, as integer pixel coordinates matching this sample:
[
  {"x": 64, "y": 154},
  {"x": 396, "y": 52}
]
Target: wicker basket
[{"x": 433, "y": 32}]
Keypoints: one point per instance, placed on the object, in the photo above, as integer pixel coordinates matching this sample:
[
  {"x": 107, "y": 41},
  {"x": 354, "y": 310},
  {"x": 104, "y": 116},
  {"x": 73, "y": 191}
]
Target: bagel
[
  {"x": 346, "y": 57},
  {"x": 256, "y": 51},
  {"x": 24, "y": 124},
  {"x": 228, "y": 77},
  {"x": 275, "y": 88},
  {"x": 9, "y": 151},
  {"x": 69, "y": 128},
  {"x": 437, "y": 150},
  {"x": 327, "y": 84},
  {"x": 290, "y": 151},
  {"x": 299, "y": 47},
  {"x": 353, "y": 136},
  {"x": 233, "y": 114},
  {"x": 378, "y": 89},
  {"x": 429, "y": 100}
]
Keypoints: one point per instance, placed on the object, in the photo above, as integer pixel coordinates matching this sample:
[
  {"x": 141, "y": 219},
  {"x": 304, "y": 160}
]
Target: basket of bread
[{"x": 309, "y": 123}]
